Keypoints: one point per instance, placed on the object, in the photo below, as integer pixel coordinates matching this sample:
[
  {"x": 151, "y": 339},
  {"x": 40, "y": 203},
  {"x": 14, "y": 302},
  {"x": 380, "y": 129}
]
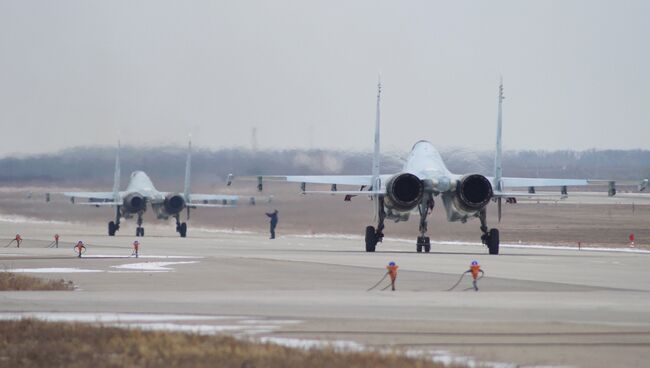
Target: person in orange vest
[
  {"x": 80, "y": 248},
  {"x": 18, "y": 240},
  {"x": 392, "y": 271},
  {"x": 475, "y": 269},
  {"x": 56, "y": 240},
  {"x": 136, "y": 247}
]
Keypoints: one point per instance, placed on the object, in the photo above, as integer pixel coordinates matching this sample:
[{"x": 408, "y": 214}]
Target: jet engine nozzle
[
  {"x": 134, "y": 203},
  {"x": 403, "y": 192},
  {"x": 174, "y": 203},
  {"x": 473, "y": 192}
]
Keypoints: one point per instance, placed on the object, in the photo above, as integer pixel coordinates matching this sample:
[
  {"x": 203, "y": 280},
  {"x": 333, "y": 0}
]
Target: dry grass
[
  {"x": 12, "y": 282},
  {"x": 32, "y": 343}
]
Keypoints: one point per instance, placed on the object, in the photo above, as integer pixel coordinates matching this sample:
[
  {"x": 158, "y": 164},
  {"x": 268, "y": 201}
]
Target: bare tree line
[{"x": 84, "y": 165}]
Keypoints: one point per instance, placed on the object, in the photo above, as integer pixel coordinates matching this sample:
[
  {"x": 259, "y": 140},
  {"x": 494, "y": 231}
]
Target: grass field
[
  {"x": 33, "y": 343},
  {"x": 12, "y": 282}
]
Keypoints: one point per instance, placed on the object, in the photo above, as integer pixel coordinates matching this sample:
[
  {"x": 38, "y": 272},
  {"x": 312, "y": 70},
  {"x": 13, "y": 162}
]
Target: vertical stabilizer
[
  {"x": 497, "y": 156},
  {"x": 376, "y": 182},
  {"x": 116, "y": 175},
  {"x": 376, "y": 151},
  {"x": 498, "y": 170},
  {"x": 188, "y": 171}
]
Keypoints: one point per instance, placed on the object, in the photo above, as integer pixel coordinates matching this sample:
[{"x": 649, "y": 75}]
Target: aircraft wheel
[
  {"x": 493, "y": 241},
  {"x": 423, "y": 243},
  {"x": 111, "y": 228},
  {"x": 371, "y": 239},
  {"x": 183, "y": 230}
]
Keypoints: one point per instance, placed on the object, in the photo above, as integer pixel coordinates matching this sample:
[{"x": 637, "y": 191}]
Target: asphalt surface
[{"x": 535, "y": 306}]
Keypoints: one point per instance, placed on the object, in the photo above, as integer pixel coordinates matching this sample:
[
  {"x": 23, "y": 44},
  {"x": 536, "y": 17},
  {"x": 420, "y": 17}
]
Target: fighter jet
[
  {"x": 140, "y": 191},
  {"x": 425, "y": 177}
]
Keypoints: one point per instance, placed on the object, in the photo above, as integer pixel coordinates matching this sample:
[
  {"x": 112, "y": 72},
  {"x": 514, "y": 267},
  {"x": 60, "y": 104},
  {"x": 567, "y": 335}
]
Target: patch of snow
[
  {"x": 51, "y": 270},
  {"x": 174, "y": 327},
  {"x": 311, "y": 344},
  {"x": 151, "y": 266},
  {"x": 269, "y": 321},
  {"x": 223, "y": 231},
  {"x": 141, "y": 256},
  {"x": 109, "y": 317}
]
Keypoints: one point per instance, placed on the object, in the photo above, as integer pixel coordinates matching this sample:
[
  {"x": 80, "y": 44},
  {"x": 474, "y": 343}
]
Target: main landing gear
[
  {"x": 139, "y": 231},
  {"x": 423, "y": 241},
  {"x": 490, "y": 237},
  {"x": 114, "y": 226},
  {"x": 181, "y": 228},
  {"x": 374, "y": 236}
]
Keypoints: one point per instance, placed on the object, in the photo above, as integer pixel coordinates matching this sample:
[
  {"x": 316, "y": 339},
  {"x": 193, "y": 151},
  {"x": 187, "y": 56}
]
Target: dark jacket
[{"x": 274, "y": 217}]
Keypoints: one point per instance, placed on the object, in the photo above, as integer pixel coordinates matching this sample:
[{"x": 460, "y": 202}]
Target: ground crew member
[
  {"x": 136, "y": 247},
  {"x": 56, "y": 240},
  {"x": 18, "y": 240},
  {"x": 475, "y": 269},
  {"x": 274, "y": 222},
  {"x": 392, "y": 272},
  {"x": 80, "y": 248}
]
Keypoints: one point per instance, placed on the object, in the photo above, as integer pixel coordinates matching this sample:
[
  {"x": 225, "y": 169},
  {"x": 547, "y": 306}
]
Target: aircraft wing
[{"x": 546, "y": 182}]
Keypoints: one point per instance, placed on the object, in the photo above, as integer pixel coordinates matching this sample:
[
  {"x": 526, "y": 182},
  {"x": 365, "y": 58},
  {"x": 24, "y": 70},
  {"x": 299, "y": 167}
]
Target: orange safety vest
[
  {"x": 475, "y": 270},
  {"x": 392, "y": 270}
]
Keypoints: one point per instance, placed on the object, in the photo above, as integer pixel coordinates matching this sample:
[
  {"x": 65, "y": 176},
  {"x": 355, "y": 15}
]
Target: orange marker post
[
  {"x": 80, "y": 248},
  {"x": 136, "y": 248},
  {"x": 392, "y": 271}
]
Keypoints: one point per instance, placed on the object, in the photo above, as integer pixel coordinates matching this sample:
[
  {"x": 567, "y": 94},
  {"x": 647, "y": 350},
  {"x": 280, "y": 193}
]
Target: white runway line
[
  {"x": 462, "y": 243},
  {"x": 16, "y": 219}
]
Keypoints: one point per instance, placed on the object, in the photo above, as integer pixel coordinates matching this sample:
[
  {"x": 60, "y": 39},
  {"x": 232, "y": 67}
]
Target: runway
[{"x": 536, "y": 306}]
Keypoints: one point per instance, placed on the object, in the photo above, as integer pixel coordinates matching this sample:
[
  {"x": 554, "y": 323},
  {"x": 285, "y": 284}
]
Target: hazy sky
[{"x": 304, "y": 73}]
